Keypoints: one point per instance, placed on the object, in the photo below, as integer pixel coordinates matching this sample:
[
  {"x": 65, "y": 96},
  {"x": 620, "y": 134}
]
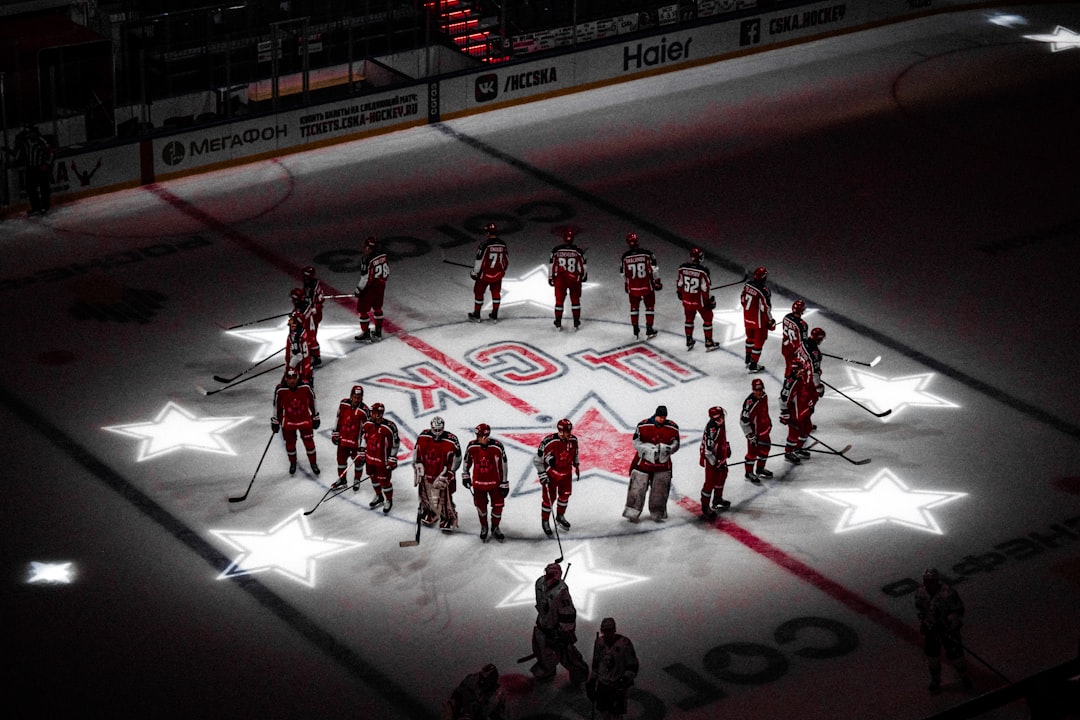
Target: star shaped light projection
[
  {"x": 51, "y": 573},
  {"x": 729, "y": 328},
  {"x": 881, "y": 393},
  {"x": 886, "y": 499},
  {"x": 1061, "y": 39},
  {"x": 288, "y": 549},
  {"x": 532, "y": 288},
  {"x": 586, "y": 580},
  {"x": 333, "y": 339},
  {"x": 175, "y": 428}
]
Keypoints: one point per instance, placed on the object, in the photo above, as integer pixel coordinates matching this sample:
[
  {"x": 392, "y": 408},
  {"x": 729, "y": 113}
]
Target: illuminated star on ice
[
  {"x": 175, "y": 428},
  {"x": 886, "y": 499},
  {"x": 1061, "y": 39},
  {"x": 288, "y": 548},
  {"x": 55, "y": 573},
  {"x": 532, "y": 288},
  {"x": 586, "y": 580},
  {"x": 881, "y": 393},
  {"x": 332, "y": 339},
  {"x": 729, "y": 328}
]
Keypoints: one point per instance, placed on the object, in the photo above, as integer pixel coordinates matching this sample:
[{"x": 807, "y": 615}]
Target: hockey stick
[
  {"x": 341, "y": 476},
  {"x": 256, "y": 322},
  {"x": 245, "y": 372},
  {"x": 727, "y": 285},
  {"x": 338, "y": 297},
  {"x": 238, "y": 382},
  {"x": 244, "y": 496},
  {"x": 451, "y": 262},
  {"x": 872, "y": 363},
  {"x": 559, "y": 539},
  {"x": 840, "y": 392},
  {"x": 419, "y": 517},
  {"x": 992, "y": 668},
  {"x": 840, "y": 453}
]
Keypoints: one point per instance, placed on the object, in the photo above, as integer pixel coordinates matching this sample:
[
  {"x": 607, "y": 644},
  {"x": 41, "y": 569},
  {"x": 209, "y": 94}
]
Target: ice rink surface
[{"x": 914, "y": 184}]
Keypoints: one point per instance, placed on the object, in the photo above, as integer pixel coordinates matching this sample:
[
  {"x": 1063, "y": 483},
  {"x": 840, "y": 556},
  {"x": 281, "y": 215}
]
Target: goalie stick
[
  {"x": 834, "y": 451},
  {"x": 840, "y": 392},
  {"x": 240, "y": 374},
  {"x": 872, "y": 363},
  {"x": 419, "y": 516},
  {"x": 204, "y": 391},
  {"x": 252, "y": 482}
]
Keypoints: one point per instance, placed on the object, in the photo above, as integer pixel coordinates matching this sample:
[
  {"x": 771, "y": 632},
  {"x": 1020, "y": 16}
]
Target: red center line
[
  {"x": 294, "y": 270},
  {"x": 808, "y": 574}
]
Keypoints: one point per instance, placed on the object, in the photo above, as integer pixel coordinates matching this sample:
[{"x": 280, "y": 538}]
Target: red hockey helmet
[
  {"x": 696, "y": 254},
  {"x": 716, "y": 413},
  {"x": 291, "y": 374},
  {"x": 565, "y": 425},
  {"x": 568, "y": 235},
  {"x": 357, "y": 390},
  {"x": 757, "y": 384},
  {"x": 309, "y": 272},
  {"x": 631, "y": 239},
  {"x": 553, "y": 571},
  {"x": 761, "y": 273},
  {"x": 483, "y": 430},
  {"x": 369, "y": 243},
  {"x": 798, "y": 307},
  {"x": 491, "y": 230},
  {"x": 817, "y": 335},
  {"x": 378, "y": 409},
  {"x": 297, "y": 294}
]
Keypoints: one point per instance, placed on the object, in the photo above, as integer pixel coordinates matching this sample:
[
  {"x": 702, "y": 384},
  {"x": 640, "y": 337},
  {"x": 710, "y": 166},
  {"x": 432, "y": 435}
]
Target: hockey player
[
  {"x": 295, "y": 411},
  {"x": 941, "y": 615},
  {"x": 556, "y": 463},
  {"x": 641, "y": 280},
  {"x": 485, "y": 475},
  {"x": 715, "y": 452},
  {"x": 315, "y": 298},
  {"x": 794, "y": 334},
  {"x": 370, "y": 290},
  {"x": 303, "y": 308},
  {"x": 567, "y": 273},
  {"x": 380, "y": 450},
  {"x": 693, "y": 285},
  {"x": 756, "y": 424},
  {"x": 490, "y": 265},
  {"x": 436, "y": 459},
  {"x": 555, "y": 633},
  {"x": 297, "y": 350},
  {"x": 614, "y": 667},
  {"x": 656, "y": 439},
  {"x": 756, "y": 301},
  {"x": 351, "y": 415},
  {"x": 797, "y": 398},
  {"x": 813, "y": 354},
  {"x": 478, "y": 697}
]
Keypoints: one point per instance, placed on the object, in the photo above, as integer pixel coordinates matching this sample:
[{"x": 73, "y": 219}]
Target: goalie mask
[{"x": 437, "y": 425}]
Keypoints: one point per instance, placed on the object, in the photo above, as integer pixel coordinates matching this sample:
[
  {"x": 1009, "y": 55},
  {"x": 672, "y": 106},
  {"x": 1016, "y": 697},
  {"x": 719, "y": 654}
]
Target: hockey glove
[
  {"x": 466, "y": 480},
  {"x": 391, "y": 463},
  {"x": 474, "y": 276},
  {"x": 712, "y": 303},
  {"x": 657, "y": 285},
  {"x": 275, "y": 424},
  {"x": 551, "y": 281},
  {"x": 785, "y": 417},
  {"x": 335, "y": 437},
  {"x": 772, "y": 324},
  {"x": 543, "y": 478},
  {"x": 316, "y": 422},
  {"x": 678, "y": 294},
  {"x": 504, "y": 489}
]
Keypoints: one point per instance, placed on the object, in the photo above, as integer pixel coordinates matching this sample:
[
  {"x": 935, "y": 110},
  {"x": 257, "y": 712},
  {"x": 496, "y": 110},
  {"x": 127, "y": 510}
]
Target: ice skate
[{"x": 563, "y": 522}]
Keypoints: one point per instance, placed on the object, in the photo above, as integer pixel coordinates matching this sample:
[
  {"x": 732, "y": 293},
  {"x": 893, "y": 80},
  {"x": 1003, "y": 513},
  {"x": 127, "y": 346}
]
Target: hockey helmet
[
  {"x": 483, "y": 430},
  {"x": 607, "y": 625},
  {"x": 632, "y": 239},
  {"x": 761, "y": 273},
  {"x": 357, "y": 390},
  {"x": 297, "y": 294},
  {"x": 369, "y": 243},
  {"x": 437, "y": 425},
  {"x": 377, "y": 410},
  {"x": 309, "y": 272},
  {"x": 661, "y": 411},
  {"x": 291, "y": 374},
  {"x": 696, "y": 254},
  {"x": 716, "y": 413},
  {"x": 757, "y": 384},
  {"x": 931, "y": 575},
  {"x": 488, "y": 677},
  {"x": 565, "y": 425},
  {"x": 491, "y": 230},
  {"x": 568, "y": 236},
  {"x": 817, "y": 335},
  {"x": 798, "y": 307},
  {"x": 553, "y": 572}
]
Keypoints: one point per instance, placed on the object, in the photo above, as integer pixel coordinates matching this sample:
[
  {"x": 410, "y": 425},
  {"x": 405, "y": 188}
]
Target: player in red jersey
[
  {"x": 756, "y": 301},
  {"x": 315, "y": 299},
  {"x": 490, "y": 265},
  {"x": 813, "y": 354},
  {"x": 794, "y": 336},
  {"x": 656, "y": 439},
  {"x": 556, "y": 463},
  {"x": 351, "y": 415},
  {"x": 715, "y": 452},
  {"x": 567, "y": 273},
  {"x": 693, "y": 285},
  {"x": 380, "y": 448},
  {"x": 370, "y": 290},
  {"x": 756, "y": 425},
  {"x": 436, "y": 458},
  {"x": 641, "y": 280},
  {"x": 297, "y": 350},
  {"x": 486, "y": 476},
  {"x": 295, "y": 411},
  {"x": 306, "y": 311},
  {"x": 797, "y": 399}
]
